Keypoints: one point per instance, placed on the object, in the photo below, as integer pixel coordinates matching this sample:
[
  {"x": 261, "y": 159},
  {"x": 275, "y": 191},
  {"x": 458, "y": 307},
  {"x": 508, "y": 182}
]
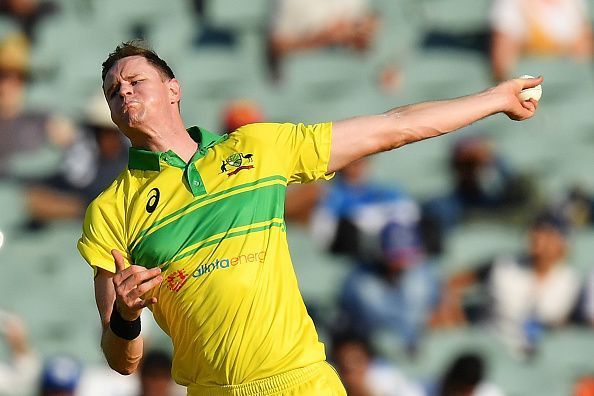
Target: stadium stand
[{"x": 48, "y": 284}]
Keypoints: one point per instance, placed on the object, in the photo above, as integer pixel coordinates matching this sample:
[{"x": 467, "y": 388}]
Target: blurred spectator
[
  {"x": 396, "y": 294},
  {"x": 88, "y": 167},
  {"x": 588, "y": 300},
  {"x": 101, "y": 380},
  {"x": 20, "y": 373},
  {"x": 240, "y": 112},
  {"x": 584, "y": 386},
  {"x": 28, "y": 13},
  {"x": 23, "y": 131},
  {"x": 578, "y": 207},
  {"x": 483, "y": 185},
  {"x": 527, "y": 293},
  {"x": 209, "y": 34},
  {"x": 152, "y": 379},
  {"x": 541, "y": 27},
  {"x": 365, "y": 374},
  {"x": 60, "y": 377},
  {"x": 301, "y": 202},
  {"x": 299, "y": 25},
  {"x": 465, "y": 376},
  {"x": 354, "y": 210},
  {"x": 155, "y": 375}
]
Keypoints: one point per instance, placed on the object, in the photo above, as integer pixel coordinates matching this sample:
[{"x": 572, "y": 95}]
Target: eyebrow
[{"x": 114, "y": 83}]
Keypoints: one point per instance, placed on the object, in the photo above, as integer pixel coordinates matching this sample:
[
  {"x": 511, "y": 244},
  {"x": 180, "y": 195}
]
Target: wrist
[
  {"x": 125, "y": 314},
  {"x": 498, "y": 101},
  {"x": 126, "y": 329}
]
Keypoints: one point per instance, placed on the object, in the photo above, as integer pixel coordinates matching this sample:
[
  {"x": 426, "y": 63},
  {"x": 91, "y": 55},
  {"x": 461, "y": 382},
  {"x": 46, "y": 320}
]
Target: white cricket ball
[{"x": 531, "y": 93}]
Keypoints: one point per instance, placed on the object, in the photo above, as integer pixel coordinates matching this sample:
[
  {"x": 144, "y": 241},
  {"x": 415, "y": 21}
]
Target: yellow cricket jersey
[{"x": 229, "y": 299}]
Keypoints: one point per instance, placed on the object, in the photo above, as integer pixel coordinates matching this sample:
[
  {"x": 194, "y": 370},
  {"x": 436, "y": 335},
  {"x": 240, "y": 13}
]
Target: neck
[
  {"x": 173, "y": 137},
  {"x": 542, "y": 266}
]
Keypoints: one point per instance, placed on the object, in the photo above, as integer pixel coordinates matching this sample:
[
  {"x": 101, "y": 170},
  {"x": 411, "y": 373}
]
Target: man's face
[
  {"x": 546, "y": 244},
  {"x": 352, "y": 362},
  {"x": 356, "y": 172},
  {"x": 12, "y": 88},
  {"x": 157, "y": 384},
  {"x": 137, "y": 94}
]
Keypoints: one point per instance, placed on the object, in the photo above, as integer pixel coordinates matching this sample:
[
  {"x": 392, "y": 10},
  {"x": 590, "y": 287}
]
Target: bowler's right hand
[{"x": 131, "y": 284}]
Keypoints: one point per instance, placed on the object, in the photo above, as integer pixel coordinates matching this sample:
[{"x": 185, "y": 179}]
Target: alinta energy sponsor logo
[
  {"x": 178, "y": 278},
  {"x": 226, "y": 263}
]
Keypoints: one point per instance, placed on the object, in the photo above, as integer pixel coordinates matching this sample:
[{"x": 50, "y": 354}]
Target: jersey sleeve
[
  {"x": 103, "y": 230},
  {"x": 303, "y": 151}
]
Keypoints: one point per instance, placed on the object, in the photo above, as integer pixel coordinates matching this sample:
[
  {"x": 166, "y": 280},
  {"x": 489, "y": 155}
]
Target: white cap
[{"x": 97, "y": 112}]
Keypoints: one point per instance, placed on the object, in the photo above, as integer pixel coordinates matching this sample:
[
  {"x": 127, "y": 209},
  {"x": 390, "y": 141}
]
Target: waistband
[{"x": 276, "y": 383}]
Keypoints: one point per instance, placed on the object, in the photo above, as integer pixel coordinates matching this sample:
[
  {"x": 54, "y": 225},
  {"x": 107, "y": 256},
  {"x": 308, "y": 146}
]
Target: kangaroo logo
[
  {"x": 153, "y": 200},
  {"x": 237, "y": 161}
]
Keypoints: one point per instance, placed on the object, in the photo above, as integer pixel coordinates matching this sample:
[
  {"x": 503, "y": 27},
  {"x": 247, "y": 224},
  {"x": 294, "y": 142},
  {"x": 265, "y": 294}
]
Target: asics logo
[{"x": 153, "y": 200}]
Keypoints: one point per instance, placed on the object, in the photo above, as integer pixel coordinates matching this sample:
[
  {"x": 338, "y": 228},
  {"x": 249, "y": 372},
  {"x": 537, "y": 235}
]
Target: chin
[{"x": 134, "y": 119}]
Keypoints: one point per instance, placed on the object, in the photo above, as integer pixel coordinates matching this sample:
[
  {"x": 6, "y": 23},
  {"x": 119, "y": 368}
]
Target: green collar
[{"x": 151, "y": 160}]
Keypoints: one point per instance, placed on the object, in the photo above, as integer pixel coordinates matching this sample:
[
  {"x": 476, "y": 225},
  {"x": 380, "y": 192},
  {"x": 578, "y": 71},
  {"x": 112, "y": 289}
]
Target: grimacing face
[{"x": 137, "y": 93}]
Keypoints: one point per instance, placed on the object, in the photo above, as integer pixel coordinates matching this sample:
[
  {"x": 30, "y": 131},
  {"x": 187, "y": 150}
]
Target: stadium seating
[
  {"x": 46, "y": 281},
  {"x": 456, "y": 15}
]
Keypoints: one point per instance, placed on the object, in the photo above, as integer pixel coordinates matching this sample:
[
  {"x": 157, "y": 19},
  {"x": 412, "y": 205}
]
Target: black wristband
[{"x": 128, "y": 330}]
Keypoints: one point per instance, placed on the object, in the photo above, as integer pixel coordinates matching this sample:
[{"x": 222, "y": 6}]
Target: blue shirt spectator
[
  {"x": 354, "y": 210},
  {"x": 395, "y": 294}
]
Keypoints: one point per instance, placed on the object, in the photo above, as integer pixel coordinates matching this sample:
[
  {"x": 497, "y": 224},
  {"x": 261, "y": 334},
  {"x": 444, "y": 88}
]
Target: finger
[
  {"x": 118, "y": 259},
  {"x": 531, "y": 82},
  {"x": 528, "y": 105},
  {"x": 139, "y": 304},
  {"x": 520, "y": 113},
  {"x": 137, "y": 278},
  {"x": 145, "y": 287},
  {"x": 149, "y": 301}
]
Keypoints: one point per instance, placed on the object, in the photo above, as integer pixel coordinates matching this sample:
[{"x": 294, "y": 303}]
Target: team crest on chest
[{"x": 237, "y": 162}]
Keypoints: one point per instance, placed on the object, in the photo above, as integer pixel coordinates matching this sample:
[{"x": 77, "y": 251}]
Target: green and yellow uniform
[{"x": 229, "y": 299}]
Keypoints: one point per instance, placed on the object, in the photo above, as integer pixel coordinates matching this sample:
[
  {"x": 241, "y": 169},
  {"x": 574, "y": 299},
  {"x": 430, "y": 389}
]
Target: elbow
[
  {"x": 392, "y": 141},
  {"x": 122, "y": 362},
  {"x": 399, "y": 131},
  {"x": 122, "y": 369},
  {"x": 127, "y": 371}
]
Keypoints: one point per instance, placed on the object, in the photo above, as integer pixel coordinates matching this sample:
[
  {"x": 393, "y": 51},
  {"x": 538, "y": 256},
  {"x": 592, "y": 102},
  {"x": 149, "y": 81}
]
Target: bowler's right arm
[
  {"x": 122, "y": 355},
  {"x": 123, "y": 291}
]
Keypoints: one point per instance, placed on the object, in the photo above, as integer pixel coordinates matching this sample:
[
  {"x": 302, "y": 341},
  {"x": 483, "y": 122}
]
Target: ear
[{"x": 174, "y": 91}]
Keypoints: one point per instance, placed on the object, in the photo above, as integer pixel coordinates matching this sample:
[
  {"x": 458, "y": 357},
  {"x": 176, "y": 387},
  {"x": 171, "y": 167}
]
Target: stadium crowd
[{"x": 410, "y": 265}]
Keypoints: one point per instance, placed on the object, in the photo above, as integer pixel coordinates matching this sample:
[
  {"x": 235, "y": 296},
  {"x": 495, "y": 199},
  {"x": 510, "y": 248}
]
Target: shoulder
[
  {"x": 253, "y": 136},
  {"x": 386, "y": 379},
  {"x": 509, "y": 272},
  {"x": 274, "y": 131},
  {"x": 508, "y": 265},
  {"x": 113, "y": 197},
  {"x": 564, "y": 272},
  {"x": 488, "y": 389},
  {"x": 257, "y": 130}
]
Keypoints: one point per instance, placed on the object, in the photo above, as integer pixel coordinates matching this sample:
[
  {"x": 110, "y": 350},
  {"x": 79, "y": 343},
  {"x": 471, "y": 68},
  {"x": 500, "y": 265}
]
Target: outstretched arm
[
  {"x": 125, "y": 288},
  {"x": 358, "y": 137}
]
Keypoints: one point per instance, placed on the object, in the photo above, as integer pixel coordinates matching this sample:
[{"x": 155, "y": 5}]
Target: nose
[{"x": 125, "y": 89}]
